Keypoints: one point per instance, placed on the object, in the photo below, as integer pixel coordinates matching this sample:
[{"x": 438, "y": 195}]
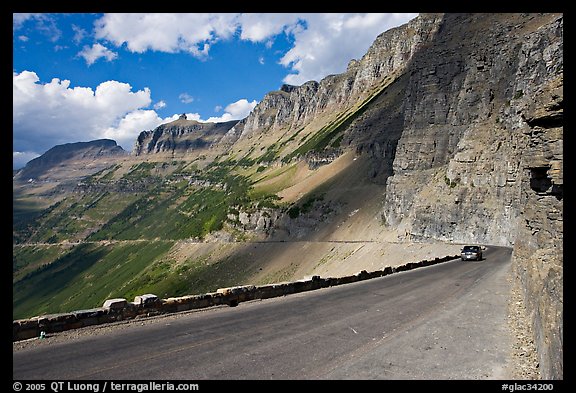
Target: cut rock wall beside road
[{"x": 147, "y": 305}]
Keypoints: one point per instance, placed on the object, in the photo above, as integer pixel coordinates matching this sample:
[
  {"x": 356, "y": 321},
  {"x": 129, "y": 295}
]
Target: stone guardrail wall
[{"x": 150, "y": 305}]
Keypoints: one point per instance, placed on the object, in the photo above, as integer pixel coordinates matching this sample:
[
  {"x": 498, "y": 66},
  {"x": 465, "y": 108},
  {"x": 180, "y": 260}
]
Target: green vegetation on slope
[
  {"x": 195, "y": 275},
  {"x": 108, "y": 239},
  {"x": 72, "y": 218},
  {"x": 84, "y": 277},
  {"x": 186, "y": 209},
  {"x": 27, "y": 259}
]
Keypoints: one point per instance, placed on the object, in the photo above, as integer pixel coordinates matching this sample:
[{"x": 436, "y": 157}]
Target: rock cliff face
[
  {"x": 295, "y": 106},
  {"x": 457, "y": 173},
  {"x": 538, "y": 251},
  {"x": 181, "y": 136},
  {"x": 480, "y": 154}
]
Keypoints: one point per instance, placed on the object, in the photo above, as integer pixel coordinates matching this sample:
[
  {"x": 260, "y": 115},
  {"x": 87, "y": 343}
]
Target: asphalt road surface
[{"x": 446, "y": 321}]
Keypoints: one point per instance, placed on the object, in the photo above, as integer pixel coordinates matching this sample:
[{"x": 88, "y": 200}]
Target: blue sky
[{"x": 80, "y": 77}]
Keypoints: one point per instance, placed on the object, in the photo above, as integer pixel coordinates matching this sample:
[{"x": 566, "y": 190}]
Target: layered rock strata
[
  {"x": 181, "y": 136},
  {"x": 480, "y": 158}
]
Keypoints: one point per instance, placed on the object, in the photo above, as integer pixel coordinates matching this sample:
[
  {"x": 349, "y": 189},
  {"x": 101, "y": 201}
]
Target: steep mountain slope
[
  {"x": 50, "y": 178},
  {"x": 449, "y": 130},
  {"x": 313, "y": 117}
]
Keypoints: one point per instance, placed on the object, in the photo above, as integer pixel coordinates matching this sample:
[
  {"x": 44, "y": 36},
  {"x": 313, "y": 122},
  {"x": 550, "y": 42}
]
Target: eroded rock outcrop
[
  {"x": 260, "y": 220},
  {"x": 181, "y": 136},
  {"x": 538, "y": 250}
]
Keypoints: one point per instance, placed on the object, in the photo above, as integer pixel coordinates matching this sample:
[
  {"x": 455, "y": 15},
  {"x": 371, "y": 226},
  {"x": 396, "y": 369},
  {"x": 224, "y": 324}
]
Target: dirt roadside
[{"x": 523, "y": 357}]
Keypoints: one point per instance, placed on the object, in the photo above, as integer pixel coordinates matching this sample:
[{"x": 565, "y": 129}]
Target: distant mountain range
[{"x": 69, "y": 152}]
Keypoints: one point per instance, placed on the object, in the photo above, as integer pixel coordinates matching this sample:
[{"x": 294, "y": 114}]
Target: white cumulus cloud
[
  {"x": 241, "y": 108},
  {"x": 79, "y": 34},
  {"x": 329, "y": 41},
  {"x": 235, "y": 111},
  {"x": 45, "y": 23},
  {"x": 53, "y": 113},
  {"x": 261, "y": 27},
  {"x": 130, "y": 126},
  {"x": 95, "y": 52},
  {"x": 166, "y": 32},
  {"x": 48, "y": 114},
  {"x": 19, "y": 18},
  {"x": 160, "y": 104},
  {"x": 323, "y": 43}
]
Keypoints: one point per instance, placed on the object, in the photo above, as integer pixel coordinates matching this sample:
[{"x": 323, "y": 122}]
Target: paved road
[{"x": 446, "y": 321}]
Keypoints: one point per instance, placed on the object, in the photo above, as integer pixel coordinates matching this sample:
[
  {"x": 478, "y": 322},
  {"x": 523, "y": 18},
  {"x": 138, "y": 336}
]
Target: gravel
[{"x": 523, "y": 363}]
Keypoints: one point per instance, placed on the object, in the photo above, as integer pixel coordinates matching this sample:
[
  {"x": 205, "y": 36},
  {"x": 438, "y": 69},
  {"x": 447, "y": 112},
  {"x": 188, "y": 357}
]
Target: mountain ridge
[
  {"x": 180, "y": 137},
  {"x": 60, "y": 154}
]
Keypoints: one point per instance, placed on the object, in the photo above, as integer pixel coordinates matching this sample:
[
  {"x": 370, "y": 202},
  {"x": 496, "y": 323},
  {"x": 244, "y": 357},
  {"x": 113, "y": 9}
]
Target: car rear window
[{"x": 470, "y": 248}]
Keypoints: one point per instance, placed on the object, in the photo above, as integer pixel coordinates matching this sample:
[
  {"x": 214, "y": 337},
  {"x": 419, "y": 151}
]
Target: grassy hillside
[
  {"x": 108, "y": 237},
  {"x": 83, "y": 277}
]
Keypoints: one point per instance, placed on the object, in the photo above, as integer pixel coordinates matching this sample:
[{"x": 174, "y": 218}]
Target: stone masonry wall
[{"x": 149, "y": 305}]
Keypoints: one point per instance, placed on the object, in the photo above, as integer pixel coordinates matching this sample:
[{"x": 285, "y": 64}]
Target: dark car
[{"x": 472, "y": 253}]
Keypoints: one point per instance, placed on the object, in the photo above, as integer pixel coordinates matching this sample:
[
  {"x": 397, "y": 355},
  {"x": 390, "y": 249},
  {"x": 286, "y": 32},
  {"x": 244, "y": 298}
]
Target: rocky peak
[
  {"x": 287, "y": 88},
  {"x": 181, "y": 136}
]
